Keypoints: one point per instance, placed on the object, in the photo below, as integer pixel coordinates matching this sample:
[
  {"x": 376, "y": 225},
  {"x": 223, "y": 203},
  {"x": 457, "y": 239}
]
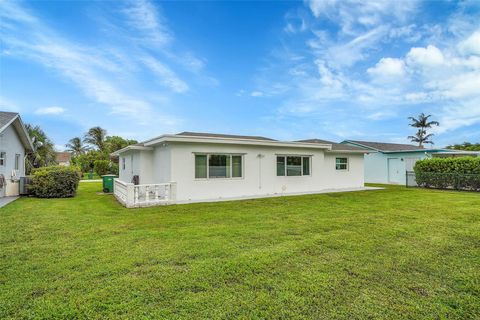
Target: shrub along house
[
  {"x": 15, "y": 144},
  {"x": 389, "y": 162},
  {"x": 193, "y": 167}
]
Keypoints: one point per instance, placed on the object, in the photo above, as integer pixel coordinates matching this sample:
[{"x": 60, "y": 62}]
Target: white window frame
[
  {"x": 123, "y": 163},
  {"x": 3, "y": 160},
  {"x": 348, "y": 164},
  {"x": 219, "y": 154},
  {"x": 17, "y": 161},
  {"x": 309, "y": 156}
]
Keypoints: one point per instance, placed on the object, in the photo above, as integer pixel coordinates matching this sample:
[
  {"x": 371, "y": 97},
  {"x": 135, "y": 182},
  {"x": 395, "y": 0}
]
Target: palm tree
[
  {"x": 422, "y": 123},
  {"x": 76, "y": 146},
  {"x": 43, "y": 149},
  {"x": 421, "y": 137},
  {"x": 96, "y": 137}
]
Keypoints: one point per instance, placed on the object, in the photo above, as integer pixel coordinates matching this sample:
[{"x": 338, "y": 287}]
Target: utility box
[{"x": 108, "y": 183}]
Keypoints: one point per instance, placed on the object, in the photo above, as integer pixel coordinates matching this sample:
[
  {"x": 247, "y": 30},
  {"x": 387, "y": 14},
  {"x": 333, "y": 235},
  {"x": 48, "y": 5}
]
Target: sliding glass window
[
  {"x": 218, "y": 166},
  {"x": 292, "y": 166}
]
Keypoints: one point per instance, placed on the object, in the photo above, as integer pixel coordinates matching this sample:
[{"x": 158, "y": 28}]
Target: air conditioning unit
[{"x": 24, "y": 183}]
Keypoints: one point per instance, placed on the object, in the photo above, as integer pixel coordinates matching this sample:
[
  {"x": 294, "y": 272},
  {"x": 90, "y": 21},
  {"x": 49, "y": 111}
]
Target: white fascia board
[
  {"x": 21, "y": 127},
  {"x": 128, "y": 148},
  {"x": 196, "y": 139},
  {"x": 8, "y": 123},
  {"x": 352, "y": 151}
]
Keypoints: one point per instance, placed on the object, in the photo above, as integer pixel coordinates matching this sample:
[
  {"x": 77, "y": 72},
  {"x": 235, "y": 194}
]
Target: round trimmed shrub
[{"x": 55, "y": 182}]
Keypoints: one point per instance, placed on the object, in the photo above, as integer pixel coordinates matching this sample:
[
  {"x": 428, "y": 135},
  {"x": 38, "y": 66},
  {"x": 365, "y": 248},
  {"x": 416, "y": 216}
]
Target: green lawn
[{"x": 387, "y": 254}]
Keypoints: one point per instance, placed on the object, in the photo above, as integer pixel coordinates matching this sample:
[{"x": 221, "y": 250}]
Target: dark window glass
[
  {"x": 200, "y": 166},
  {"x": 280, "y": 166},
  {"x": 236, "y": 166},
  {"x": 306, "y": 166},
  {"x": 218, "y": 166},
  {"x": 294, "y": 166}
]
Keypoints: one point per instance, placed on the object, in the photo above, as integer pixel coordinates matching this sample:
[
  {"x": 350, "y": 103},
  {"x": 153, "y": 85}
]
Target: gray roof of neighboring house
[
  {"x": 216, "y": 135},
  {"x": 335, "y": 146},
  {"x": 386, "y": 147},
  {"x": 6, "y": 117}
]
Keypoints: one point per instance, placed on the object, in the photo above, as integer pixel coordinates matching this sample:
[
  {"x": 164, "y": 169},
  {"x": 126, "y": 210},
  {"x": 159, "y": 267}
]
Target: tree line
[
  {"x": 93, "y": 151},
  {"x": 93, "y": 148}
]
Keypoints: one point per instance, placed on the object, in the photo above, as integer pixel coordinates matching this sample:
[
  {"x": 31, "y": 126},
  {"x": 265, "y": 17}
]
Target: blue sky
[{"x": 287, "y": 70}]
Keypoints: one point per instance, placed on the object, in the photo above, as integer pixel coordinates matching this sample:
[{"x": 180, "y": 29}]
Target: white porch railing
[{"x": 144, "y": 195}]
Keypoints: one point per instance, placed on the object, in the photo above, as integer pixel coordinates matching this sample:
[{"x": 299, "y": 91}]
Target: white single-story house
[
  {"x": 389, "y": 162},
  {"x": 195, "y": 167},
  {"x": 15, "y": 144}
]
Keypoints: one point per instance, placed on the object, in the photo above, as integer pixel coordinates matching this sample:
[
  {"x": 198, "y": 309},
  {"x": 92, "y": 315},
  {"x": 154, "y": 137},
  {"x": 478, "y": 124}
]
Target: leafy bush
[
  {"x": 114, "y": 168},
  {"x": 443, "y": 173},
  {"x": 55, "y": 182},
  {"x": 101, "y": 167}
]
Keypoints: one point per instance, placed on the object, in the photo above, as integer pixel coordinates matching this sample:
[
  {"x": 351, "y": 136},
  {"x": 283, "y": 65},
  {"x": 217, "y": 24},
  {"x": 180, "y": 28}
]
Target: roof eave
[
  {"x": 129, "y": 148},
  {"x": 26, "y": 141},
  {"x": 223, "y": 140},
  {"x": 351, "y": 151}
]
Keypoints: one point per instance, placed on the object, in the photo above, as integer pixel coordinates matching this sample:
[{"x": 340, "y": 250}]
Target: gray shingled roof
[
  {"x": 387, "y": 147},
  {"x": 335, "y": 146},
  {"x": 6, "y": 117},
  {"x": 215, "y": 135}
]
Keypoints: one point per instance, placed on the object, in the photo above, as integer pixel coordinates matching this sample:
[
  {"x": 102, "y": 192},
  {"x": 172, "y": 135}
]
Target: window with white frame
[
  {"x": 218, "y": 166},
  {"x": 293, "y": 166},
  {"x": 341, "y": 163},
  {"x": 123, "y": 163},
  {"x": 17, "y": 161},
  {"x": 3, "y": 158}
]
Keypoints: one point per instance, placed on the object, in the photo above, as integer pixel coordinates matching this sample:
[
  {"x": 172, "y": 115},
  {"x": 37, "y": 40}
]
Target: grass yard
[{"x": 389, "y": 254}]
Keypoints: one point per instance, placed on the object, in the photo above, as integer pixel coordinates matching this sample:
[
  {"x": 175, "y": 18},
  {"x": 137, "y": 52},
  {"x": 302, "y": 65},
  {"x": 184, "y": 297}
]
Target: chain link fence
[{"x": 452, "y": 181}]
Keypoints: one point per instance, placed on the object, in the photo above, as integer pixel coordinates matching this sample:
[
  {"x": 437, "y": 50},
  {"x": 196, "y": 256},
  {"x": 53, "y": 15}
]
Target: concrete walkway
[
  {"x": 6, "y": 200},
  {"x": 91, "y": 180}
]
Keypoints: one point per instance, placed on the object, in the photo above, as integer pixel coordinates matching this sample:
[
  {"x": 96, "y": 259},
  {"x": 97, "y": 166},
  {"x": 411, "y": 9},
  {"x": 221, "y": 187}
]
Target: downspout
[{"x": 260, "y": 156}]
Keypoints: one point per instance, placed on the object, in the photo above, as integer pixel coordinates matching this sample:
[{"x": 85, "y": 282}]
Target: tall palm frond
[
  {"x": 76, "y": 146},
  {"x": 96, "y": 137}
]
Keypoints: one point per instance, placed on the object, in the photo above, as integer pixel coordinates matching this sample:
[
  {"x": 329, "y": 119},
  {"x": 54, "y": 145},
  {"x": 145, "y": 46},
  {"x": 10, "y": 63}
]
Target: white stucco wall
[
  {"x": 11, "y": 144},
  {"x": 259, "y": 174},
  {"x": 136, "y": 163},
  {"x": 175, "y": 162}
]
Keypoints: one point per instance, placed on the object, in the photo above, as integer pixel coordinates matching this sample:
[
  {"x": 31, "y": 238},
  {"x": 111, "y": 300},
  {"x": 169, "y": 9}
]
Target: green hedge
[
  {"x": 55, "y": 182},
  {"x": 449, "y": 173}
]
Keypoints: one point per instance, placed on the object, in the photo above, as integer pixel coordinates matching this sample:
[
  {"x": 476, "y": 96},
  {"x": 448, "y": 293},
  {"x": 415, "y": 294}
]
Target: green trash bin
[
  {"x": 90, "y": 175},
  {"x": 108, "y": 183}
]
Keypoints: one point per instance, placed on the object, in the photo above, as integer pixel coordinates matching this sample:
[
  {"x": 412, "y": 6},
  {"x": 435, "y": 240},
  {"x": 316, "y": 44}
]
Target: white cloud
[
  {"x": 257, "y": 94},
  {"x": 143, "y": 15},
  {"x": 388, "y": 67},
  {"x": 353, "y": 15},
  {"x": 167, "y": 77},
  {"x": 425, "y": 57},
  {"x": 471, "y": 45},
  {"x": 50, "y": 111}
]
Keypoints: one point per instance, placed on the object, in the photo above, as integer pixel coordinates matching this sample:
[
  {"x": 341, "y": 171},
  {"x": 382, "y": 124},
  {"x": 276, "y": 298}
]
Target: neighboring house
[
  {"x": 193, "y": 167},
  {"x": 63, "y": 158},
  {"x": 15, "y": 144},
  {"x": 389, "y": 162}
]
